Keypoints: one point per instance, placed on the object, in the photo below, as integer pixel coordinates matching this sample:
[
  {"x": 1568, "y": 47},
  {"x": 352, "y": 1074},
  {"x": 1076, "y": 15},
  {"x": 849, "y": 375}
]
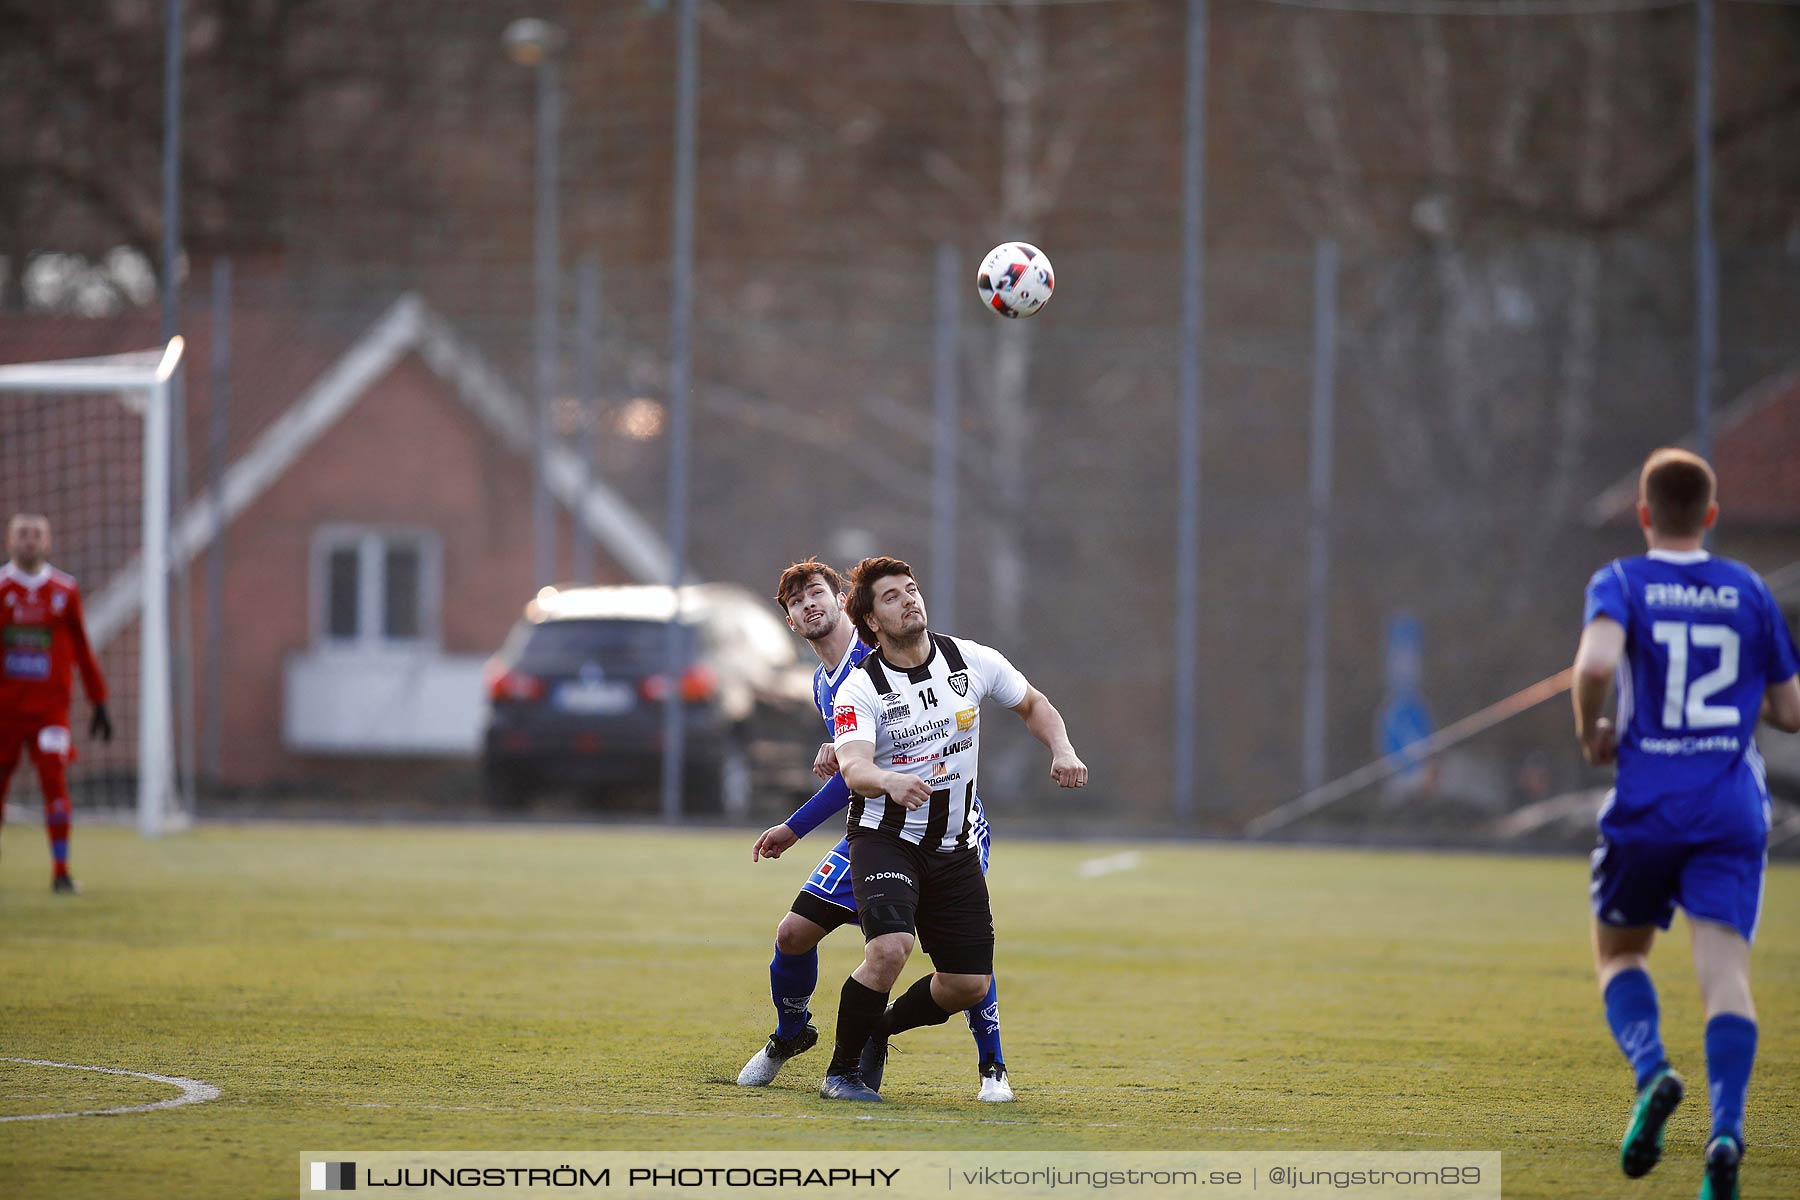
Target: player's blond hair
[{"x": 1678, "y": 486}]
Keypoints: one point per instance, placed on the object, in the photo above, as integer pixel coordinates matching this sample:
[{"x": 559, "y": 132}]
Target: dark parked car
[{"x": 576, "y": 698}]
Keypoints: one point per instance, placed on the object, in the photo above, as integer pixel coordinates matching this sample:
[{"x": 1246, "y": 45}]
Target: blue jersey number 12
[{"x": 1681, "y": 700}]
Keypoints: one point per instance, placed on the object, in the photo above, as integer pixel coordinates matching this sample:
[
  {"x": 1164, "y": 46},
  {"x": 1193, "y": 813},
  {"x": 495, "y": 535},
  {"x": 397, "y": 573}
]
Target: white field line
[
  {"x": 923, "y": 1120},
  {"x": 1093, "y": 868},
  {"x": 192, "y": 1091}
]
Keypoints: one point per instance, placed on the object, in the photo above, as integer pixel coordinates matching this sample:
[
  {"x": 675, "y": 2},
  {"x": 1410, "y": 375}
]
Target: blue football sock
[
  {"x": 1730, "y": 1053},
  {"x": 984, "y": 1023},
  {"x": 792, "y": 980},
  {"x": 1631, "y": 1011}
]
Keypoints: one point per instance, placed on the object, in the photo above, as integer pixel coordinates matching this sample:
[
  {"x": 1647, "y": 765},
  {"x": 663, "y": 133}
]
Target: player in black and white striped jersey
[{"x": 907, "y": 728}]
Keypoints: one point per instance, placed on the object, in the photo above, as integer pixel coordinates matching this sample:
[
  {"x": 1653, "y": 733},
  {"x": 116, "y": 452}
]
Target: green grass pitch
[{"x": 595, "y": 988}]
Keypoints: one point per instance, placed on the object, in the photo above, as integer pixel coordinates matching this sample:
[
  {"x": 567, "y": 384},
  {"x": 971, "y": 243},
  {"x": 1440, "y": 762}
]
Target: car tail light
[
  {"x": 504, "y": 686},
  {"x": 697, "y": 686}
]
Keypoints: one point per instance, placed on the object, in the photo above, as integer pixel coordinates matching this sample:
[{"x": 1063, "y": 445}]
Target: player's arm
[
  {"x": 1781, "y": 705},
  {"x": 1046, "y": 725},
  {"x": 1596, "y": 662},
  {"x": 832, "y": 798},
  {"x": 91, "y": 680},
  {"x": 856, "y": 763}
]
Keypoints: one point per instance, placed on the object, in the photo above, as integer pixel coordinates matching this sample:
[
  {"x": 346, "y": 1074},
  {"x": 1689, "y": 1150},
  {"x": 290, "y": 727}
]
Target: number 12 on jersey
[{"x": 1682, "y": 700}]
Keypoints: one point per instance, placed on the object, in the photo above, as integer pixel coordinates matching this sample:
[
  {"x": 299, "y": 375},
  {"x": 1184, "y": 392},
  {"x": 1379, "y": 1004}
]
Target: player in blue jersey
[
  {"x": 1700, "y": 652},
  {"x": 812, "y": 595}
]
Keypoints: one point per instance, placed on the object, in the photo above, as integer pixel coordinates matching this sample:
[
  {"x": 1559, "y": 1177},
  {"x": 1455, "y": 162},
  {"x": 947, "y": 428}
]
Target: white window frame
[{"x": 372, "y": 542}]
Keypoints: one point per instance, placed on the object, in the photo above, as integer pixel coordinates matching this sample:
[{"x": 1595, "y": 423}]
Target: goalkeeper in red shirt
[{"x": 42, "y": 638}]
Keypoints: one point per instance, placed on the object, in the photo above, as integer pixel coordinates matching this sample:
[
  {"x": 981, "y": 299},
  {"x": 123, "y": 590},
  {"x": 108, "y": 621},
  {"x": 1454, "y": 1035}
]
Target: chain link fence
[{"x": 1510, "y": 199}]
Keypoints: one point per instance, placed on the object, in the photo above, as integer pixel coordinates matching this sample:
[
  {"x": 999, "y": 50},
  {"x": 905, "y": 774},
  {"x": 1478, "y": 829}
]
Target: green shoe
[
  {"x": 1722, "y": 1157},
  {"x": 1642, "y": 1146}
]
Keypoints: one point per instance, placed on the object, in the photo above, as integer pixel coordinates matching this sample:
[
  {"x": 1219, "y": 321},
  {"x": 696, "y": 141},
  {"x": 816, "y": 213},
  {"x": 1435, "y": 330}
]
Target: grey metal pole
[
  {"x": 587, "y": 372},
  {"x": 1187, "y": 518},
  {"x": 681, "y": 369},
  {"x": 944, "y": 381},
  {"x": 1313, "y": 737},
  {"x": 212, "y": 750},
  {"x": 549, "y": 288},
  {"x": 180, "y": 628},
  {"x": 1706, "y": 251},
  {"x": 171, "y": 172}
]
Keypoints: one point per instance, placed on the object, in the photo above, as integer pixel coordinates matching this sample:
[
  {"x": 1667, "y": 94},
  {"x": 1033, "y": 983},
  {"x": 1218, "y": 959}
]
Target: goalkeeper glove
[{"x": 101, "y": 725}]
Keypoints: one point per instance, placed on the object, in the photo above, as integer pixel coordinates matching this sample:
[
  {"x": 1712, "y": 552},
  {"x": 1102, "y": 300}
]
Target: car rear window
[{"x": 636, "y": 647}]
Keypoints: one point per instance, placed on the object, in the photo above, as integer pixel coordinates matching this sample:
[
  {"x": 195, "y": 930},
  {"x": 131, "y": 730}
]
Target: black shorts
[
  {"x": 823, "y": 913},
  {"x": 942, "y": 897}
]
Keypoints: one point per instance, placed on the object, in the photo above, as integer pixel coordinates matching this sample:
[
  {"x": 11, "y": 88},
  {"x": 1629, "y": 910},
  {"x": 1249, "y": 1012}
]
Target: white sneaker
[
  {"x": 766, "y": 1063},
  {"x": 994, "y": 1087}
]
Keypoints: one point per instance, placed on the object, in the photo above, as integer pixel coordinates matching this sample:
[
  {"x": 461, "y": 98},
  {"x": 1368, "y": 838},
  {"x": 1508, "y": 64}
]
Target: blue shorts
[
  {"x": 1637, "y": 883},
  {"x": 827, "y": 898}
]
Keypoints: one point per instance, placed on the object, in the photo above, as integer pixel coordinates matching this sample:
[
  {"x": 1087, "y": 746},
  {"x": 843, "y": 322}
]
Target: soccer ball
[{"x": 1015, "y": 279}]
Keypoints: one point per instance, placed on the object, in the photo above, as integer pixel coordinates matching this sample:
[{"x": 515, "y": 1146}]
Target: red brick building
[{"x": 376, "y": 518}]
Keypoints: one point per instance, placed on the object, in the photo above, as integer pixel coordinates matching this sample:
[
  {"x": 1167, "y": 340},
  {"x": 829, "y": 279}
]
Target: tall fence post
[
  {"x": 213, "y": 741},
  {"x": 945, "y": 394},
  {"x": 1706, "y": 251},
  {"x": 1314, "y": 707},
  {"x": 1187, "y": 518},
  {"x": 681, "y": 373},
  {"x": 587, "y": 382}
]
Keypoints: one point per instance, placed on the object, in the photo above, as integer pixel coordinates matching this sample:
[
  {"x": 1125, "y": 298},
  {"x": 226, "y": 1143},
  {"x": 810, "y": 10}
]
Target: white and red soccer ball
[{"x": 1015, "y": 279}]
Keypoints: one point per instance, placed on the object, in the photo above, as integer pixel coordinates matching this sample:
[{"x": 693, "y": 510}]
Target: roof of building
[
  {"x": 1756, "y": 453},
  {"x": 289, "y": 383}
]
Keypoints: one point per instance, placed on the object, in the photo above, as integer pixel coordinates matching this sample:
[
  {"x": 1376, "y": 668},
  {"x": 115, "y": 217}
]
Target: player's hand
[
  {"x": 825, "y": 763},
  {"x": 773, "y": 841},
  {"x": 908, "y": 791},
  {"x": 1068, "y": 771},
  {"x": 1600, "y": 745},
  {"x": 101, "y": 725}
]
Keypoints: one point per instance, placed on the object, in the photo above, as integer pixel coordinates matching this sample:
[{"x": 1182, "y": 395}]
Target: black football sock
[
  {"x": 914, "y": 1009},
  {"x": 859, "y": 1008}
]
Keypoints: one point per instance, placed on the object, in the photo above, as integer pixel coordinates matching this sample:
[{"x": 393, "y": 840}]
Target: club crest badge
[{"x": 959, "y": 683}]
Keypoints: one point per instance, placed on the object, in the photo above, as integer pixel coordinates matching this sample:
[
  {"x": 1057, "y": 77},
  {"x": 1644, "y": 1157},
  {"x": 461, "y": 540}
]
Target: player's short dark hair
[
  {"x": 1678, "y": 486},
  {"x": 793, "y": 580},
  {"x": 862, "y": 589}
]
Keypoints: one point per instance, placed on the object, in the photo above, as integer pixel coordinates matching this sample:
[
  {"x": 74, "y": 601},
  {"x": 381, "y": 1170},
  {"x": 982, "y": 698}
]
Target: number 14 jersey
[{"x": 925, "y": 721}]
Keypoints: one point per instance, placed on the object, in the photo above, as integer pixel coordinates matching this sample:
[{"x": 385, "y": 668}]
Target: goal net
[{"x": 86, "y": 443}]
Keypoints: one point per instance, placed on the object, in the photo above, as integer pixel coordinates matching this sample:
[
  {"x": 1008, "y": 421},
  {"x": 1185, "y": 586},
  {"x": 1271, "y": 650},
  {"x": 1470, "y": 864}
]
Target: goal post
[{"x": 133, "y": 581}]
